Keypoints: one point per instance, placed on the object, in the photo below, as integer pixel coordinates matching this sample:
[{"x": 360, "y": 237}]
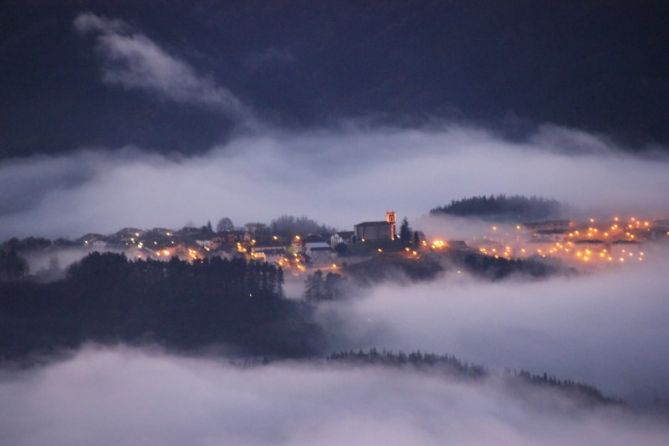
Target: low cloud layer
[
  {"x": 607, "y": 328},
  {"x": 339, "y": 177},
  {"x": 133, "y": 61},
  {"x": 128, "y": 397}
]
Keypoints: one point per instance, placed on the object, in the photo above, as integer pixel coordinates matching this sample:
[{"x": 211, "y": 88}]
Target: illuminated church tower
[{"x": 390, "y": 219}]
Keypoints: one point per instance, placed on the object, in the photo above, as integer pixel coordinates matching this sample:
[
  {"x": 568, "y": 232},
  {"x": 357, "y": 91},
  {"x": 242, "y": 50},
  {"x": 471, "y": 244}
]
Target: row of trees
[
  {"x": 33, "y": 244},
  {"x": 107, "y": 298},
  {"x": 581, "y": 391},
  {"x": 323, "y": 287},
  {"x": 444, "y": 363},
  {"x": 12, "y": 266},
  {"x": 499, "y": 268},
  {"x": 407, "y": 236},
  {"x": 228, "y": 277},
  {"x": 453, "y": 367},
  {"x": 288, "y": 226},
  {"x": 396, "y": 268},
  {"x": 285, "y": 225}
]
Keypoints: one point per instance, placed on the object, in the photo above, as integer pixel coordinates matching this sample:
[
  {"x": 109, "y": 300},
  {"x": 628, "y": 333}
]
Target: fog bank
[
  {"x": 128, "y": 397},
  {"x": 332, "y": 175},
  {"x": 607, "y": 328}
]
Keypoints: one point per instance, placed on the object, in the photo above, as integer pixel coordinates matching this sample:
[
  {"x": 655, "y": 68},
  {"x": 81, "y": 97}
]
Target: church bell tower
[{"x": 390, "y": 219}]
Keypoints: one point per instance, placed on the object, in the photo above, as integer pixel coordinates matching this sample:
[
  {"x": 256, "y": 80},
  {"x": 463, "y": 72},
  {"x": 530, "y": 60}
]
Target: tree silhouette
[
  {"x": 12, "y": 266},
  {"x": 224, "y": 224},
  {"x": 107, "y": 298},
  {"x": 405, "y": 232}
]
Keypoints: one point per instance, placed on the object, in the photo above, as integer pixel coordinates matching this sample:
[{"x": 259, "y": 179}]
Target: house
[
  {"x": 207, "y": 244},
  {"x": 98, "y": 245},
  {"x": 231, "y": 237},
  {"x": 319, "y": 252},
  {"x": 341, "y": 237},
  {"x": 549, "y": 230},
  {"x": 126, "y": 235},
  {"x": 268, "y": 253}
]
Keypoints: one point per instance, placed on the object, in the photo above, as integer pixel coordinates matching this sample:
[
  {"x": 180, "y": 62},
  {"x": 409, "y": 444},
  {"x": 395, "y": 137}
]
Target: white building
[{"x": 320, "y": 253}]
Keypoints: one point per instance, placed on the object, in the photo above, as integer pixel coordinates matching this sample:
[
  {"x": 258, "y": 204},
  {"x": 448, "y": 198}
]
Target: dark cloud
[
  {"x": 575, "y": 64},
  {"x": 270, "y": 56}
]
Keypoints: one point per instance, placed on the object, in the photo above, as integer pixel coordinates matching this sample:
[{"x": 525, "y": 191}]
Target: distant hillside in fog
[
  {"x": 502, "y": 207},
  {"x": 450, "y": 366}
]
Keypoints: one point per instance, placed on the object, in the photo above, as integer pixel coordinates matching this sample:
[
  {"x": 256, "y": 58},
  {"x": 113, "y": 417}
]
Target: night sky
[{"x": 600, "y": 67}]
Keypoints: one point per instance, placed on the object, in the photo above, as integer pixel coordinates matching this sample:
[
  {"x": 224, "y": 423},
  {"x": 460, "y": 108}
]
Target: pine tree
[
  {"x": 315, "y": 287},
  {"x": 405, "y": 232}
]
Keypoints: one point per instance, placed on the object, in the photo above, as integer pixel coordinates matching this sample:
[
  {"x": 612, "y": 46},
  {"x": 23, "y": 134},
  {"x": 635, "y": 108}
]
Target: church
[{"x": 376, "y": 230}]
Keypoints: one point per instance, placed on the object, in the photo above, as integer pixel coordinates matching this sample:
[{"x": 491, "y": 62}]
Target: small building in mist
[
  {"x": 340, "y": 237},
  {"x": 271, "y": 253},
  {"x": 554, "y": 226},
  {"x": 319, "y": 253},
  {"x": 548, "y": 230}
]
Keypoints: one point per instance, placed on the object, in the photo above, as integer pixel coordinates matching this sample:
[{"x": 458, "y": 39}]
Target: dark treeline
[
  {"x": 30, "y": 244},
  {"x": 396, "y": 268},
  {"x": 323, "y": 287},
  {"x": 107, "y": 298},
  {"x": 12, "y": 266},
  {"x": 502, "y": 207},
  {"x": 453, "y": 367},
  {"x": 288, "y": 226},
  {"x": 446, "y": 364},
  {"x": 583, "y": 392},
  {"x": 329, "y": 286},
  {"x": 492, "y": 268}
]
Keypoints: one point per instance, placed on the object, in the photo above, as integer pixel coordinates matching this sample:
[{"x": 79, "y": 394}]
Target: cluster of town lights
[{"x": 614, "y": 241}]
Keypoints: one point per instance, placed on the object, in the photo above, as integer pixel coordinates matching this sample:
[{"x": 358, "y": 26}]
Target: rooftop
[{"x": 372, "y": 223}]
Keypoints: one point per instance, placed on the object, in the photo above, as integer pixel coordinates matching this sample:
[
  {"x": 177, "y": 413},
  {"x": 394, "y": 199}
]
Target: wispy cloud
[{"x": 134, "y": 61}]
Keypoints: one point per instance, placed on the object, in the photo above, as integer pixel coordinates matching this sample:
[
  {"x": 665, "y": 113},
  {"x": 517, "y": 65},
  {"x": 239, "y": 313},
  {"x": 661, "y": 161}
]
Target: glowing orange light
[{"x": 438, "y": 244}]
